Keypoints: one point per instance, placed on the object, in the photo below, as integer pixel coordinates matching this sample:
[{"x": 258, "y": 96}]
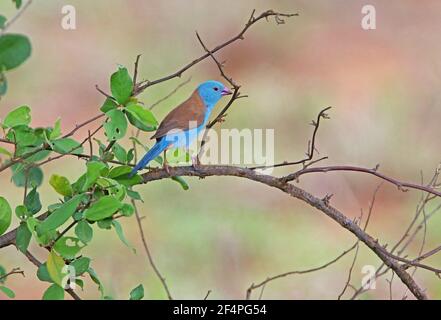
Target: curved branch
[
  {"x": 401, "y": 185},
  {"x": 240, "y": 36},
  {"x": 298, "y": 193}
]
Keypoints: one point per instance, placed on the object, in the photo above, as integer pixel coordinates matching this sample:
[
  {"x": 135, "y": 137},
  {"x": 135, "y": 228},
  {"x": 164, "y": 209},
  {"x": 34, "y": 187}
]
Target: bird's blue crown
[{"x": 211, "y": 92}]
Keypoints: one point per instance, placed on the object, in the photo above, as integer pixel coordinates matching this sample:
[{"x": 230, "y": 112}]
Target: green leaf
[
  {"x": 141, "y": 117},
  {"x": 17, "y": 3},
  {"x": 60, "y": 215},
  {"x": 137, "y": 293},
  {"x": 67, "y": 247},
  {"x": 108, "y": 105},
  {"x": 56, "y": 132},
  {"x": 134, "y": 195},
  {"x": 80, "y": 265},
  {"x": 105, "y": 207},
  {"x": 34, "y": 176},
  {"x": 43, "y": 273},
  {"x": 55, "y": 265},
  {"x": 3, "y": 84},
  {"x": 119, "y": 152},
  {"x": 120, "y": 233},
  {"x": 129, "y": 181},
  {"x": 54, "y": 292},
  {"x": 32, "y": 202},
  {"x": 18, "y": 116},
  {"x": 5, "y": 215},
  {"x": 119, "y": 171},
  {"x": 2, "y": 21},
  {"x": 8, "y": 292},
  {"x": 42, "y": 239},
  {"x": 130, "y": 155},
  {"x": 84, "y": 231},
  {"x": 181, "y": 181},
  {"x": 24, "y": 137},
  {"x": 105, "y": 224},
  {"x": 67, "y": 145},
  {"x": 2, "y": 273},
  {"x": 94, "y": 169},
  {"x": 21, "y": 212},
  {"x": 127, "y": 210},
  {"x": 95, "y": 279},
  {"x": 121, "y": 85},
  {"x": 23, "y": 237},
  {"x": 116, "y": 126},
  {"x": 61, "y": 185},
  {"x": 14, "y": 50}
]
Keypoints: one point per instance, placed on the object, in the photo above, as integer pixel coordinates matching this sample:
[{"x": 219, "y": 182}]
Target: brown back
[{"x": 192, "y": 110}]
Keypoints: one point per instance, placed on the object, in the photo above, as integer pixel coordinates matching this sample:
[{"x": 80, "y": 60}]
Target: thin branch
[
  {"x": 269, "y": 279},
  {"x": 219, "y": 65},
  {"x": 135, "y": 71},
  {"x": 240, "y": 36},
  {"x": 13, "y": 271},
  {"x": 170, "y": 94},
  {"x": 311, "y": 146},
  {"x": 208, "y": 293},
  {"x": 14, "y": 18},
  {"x": 288, "y": 188},
  {"x": 7, "y": 141},
  {"x": 149, "y": 255},
  {"x": 37, "y": 263},
  {"x": 401, "y": 185},
  {"x": 348, "y": 281}
]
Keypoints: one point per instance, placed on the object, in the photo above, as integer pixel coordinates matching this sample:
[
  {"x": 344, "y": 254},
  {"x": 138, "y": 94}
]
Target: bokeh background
[{"x": 225, "y": 233}]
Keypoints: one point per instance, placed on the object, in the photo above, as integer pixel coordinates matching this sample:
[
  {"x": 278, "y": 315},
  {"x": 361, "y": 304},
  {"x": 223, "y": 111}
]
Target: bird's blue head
[{"x": 212, "y": 91}]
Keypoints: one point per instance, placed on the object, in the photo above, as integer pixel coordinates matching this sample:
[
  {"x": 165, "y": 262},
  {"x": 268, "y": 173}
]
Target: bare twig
[
  {"x": 171, "y": 93},
  {"x": 348, "y": 281},
  {"x": 401, "y": 185},
  {"x": 320, "y": 204},
  {"x": 269, "y": 279},
  {"x": 149, "y": 255},
  {"x": 311, "y": 146},
  {"x": 240, "y": 36},
  {"x": 13, "y": 271}
]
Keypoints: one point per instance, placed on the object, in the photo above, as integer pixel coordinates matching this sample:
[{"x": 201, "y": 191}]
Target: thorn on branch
[{"x": 327, "y": 198}]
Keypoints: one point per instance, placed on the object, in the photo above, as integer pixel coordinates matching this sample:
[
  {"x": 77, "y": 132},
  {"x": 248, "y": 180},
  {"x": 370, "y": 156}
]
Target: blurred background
[{"x": 225, "y": 233}]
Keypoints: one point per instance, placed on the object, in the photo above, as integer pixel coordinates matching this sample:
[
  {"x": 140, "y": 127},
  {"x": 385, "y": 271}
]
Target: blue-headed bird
[{"x": 184, "y": 123}]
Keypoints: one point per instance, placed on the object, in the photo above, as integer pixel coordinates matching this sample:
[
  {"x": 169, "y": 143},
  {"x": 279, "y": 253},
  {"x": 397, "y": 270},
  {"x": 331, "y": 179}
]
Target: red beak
[{"x": 226, "y": 92}]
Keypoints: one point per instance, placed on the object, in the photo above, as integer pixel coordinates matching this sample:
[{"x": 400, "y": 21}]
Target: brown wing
[{"x": 188, "y": 115}]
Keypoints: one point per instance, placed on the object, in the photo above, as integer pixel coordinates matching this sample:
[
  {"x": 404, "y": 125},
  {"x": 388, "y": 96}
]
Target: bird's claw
[
  {"x": 166, "y": 167},
  {"x": 195, "y": 162}
]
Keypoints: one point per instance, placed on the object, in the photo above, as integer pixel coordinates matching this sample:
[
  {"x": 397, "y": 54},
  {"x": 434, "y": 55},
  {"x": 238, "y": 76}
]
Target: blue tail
[{"x": 160, "y": 146}]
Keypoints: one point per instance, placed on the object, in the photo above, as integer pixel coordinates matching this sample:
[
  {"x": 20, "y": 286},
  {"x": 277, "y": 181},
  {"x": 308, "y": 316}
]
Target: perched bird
[{"x": 183, "y": 124}]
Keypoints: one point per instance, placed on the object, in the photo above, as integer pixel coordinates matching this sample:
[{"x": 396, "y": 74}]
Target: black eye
[{"x": 216, "y": 88}]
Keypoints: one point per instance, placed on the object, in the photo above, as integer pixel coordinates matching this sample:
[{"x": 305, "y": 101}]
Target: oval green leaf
[
  {"x": 18, "y": 116},
  {"x": 5, "y": 215},
  {"x": 105, "y": 207},
  {"x": 116, "y": 126},
  {"x": 61, "y": 185},
  {"x": 121, "y": 85},
  {"x": 14, "y": 50}
]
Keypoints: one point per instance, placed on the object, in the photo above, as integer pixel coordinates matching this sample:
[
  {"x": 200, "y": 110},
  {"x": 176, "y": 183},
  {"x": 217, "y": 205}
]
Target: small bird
[{"x": 183, "y": 124}]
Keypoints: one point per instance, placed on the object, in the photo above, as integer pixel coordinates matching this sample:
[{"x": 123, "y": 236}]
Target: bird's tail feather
[{"x": 155, "y": 151}]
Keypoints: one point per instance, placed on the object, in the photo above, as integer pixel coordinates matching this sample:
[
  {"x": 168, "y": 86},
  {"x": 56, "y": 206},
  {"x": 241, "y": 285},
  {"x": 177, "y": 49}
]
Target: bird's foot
[
  {"x": 195, "y": 162},
  {"x": 166, "y": 167}
]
